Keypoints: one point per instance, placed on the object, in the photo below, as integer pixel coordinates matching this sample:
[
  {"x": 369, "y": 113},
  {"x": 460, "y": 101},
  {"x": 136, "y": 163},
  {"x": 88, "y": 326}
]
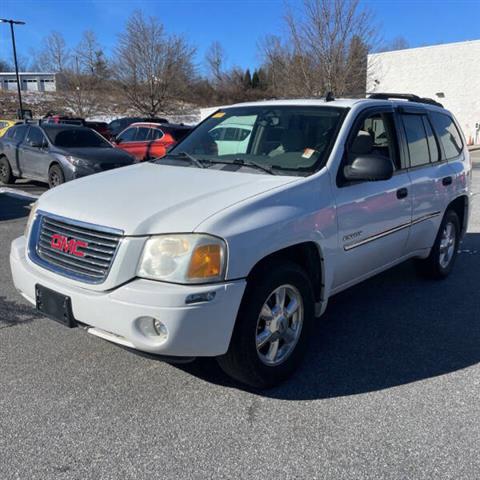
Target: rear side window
[
  {"x": 9, "y": 133},
  {"x": 432, "y": 142},
  {"x": 143, "y": 134},
  {"x": 416, "y": 140},
  {"x": 448, "y": 134},
  {"x": 19, "y": 133},
  {"x": 156, "y": 134}
]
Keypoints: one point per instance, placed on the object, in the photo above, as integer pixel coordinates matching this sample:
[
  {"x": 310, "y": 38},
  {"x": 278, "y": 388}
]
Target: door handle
[
  {"x": 402, "y": 193},
  {"x": 447, "y": 181}
]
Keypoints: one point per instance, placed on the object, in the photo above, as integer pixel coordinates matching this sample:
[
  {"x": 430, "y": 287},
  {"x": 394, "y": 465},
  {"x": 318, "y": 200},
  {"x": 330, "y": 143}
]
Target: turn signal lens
[{"x": 206, "y": 262}]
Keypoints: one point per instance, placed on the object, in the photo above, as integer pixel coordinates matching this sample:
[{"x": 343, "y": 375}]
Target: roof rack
[
  {"x": 405, "y": 96},
  {"x": 32, "y": 121}
]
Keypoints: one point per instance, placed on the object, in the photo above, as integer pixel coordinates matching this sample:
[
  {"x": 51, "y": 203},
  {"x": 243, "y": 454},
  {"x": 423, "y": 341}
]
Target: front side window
[
  {"x": 416, "y": 140},
  {"x": 292, "y": 140},
  {"x": 375, "y": 135},
  {"x": 448, "y": 134},
  {"x": 35, "y": 137}
]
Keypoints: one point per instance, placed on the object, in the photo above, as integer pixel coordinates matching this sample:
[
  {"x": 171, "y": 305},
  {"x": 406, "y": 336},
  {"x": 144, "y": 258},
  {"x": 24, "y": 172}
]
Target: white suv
[{"x": 234, "y": 255}]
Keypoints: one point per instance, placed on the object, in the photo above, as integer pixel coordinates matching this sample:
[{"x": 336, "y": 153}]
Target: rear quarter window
[{"x": 448, "y": 134}]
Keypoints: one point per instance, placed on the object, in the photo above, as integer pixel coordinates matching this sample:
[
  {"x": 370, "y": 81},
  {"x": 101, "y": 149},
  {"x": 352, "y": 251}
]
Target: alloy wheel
[
  {"x": 279, "y": 325},
  {"x": 447, "y": 244}
]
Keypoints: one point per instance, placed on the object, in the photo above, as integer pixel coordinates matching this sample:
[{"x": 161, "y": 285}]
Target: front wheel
[
  {"x": 6, "y": 175},
  {"x": 55, "y": 176},
  {"x": 272, "y": 327},
  {"x": 442, "y": 257}
]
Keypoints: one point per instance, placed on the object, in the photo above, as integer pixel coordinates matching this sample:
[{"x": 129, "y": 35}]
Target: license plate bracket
[{"x": 55, "y": 306}]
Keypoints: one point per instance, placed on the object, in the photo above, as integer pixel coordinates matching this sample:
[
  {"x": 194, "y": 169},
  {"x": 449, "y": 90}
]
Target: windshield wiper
[
  {"x": 246, "y": 163},
  {"x": 187, "y": 156}
]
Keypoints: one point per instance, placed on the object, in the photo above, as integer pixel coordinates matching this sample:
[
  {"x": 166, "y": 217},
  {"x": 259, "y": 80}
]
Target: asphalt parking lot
[{"x": 390, "y": 389}]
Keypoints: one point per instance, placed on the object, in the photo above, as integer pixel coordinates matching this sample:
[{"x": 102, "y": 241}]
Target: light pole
[{"x": 12, "y": 23}]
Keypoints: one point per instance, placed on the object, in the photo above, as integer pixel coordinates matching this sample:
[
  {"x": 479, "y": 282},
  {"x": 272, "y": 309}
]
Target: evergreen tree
[{"x": 247, "y": 79}]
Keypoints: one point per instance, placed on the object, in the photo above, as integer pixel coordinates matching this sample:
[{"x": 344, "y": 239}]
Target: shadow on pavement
[
  {"x": 13, "y": 207},
  {"x": 393, "y": 329},
  {"x": 13, "y": 313}
]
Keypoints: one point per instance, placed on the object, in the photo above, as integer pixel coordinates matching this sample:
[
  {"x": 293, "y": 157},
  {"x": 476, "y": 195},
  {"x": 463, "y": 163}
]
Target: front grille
[{"x": 94, "y": 248}]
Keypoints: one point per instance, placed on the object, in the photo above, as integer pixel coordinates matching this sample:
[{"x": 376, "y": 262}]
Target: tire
[
  {"x": 6, "y": 175},
  {"x": 260, "y": 368},
  {"x": 55, "y": 176},
  {"x": 442, "y": 257}
]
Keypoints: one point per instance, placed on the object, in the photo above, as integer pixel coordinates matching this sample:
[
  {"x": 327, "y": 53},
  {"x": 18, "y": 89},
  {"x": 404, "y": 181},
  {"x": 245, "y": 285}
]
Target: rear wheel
[
  {"x": 272, "y": 327},
  {"x": 55, "y": 176},
  {"x": 442, "y": 257},
  {"x": 6, "y": 175}
]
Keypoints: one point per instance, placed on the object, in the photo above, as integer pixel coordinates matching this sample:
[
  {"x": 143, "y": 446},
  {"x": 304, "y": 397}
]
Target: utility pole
[{"x": 15, "y": 22}]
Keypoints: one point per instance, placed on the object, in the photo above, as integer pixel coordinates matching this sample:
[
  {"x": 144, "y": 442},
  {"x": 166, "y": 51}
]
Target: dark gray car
[{"x": 56, "y": 153}]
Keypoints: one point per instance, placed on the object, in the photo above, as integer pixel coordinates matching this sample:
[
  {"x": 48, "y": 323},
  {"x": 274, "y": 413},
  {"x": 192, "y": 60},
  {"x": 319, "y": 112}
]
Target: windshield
[
  {"x": 76, "y": 138},
  {"x": 292, "y": 140}
]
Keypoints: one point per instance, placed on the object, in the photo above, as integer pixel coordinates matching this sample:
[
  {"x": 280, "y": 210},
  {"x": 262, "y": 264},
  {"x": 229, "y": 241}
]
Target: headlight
[
  {"x": 77, "y": 162},
  {"x": 31, "y": 217},
  {"x": 188, "y": 258}
]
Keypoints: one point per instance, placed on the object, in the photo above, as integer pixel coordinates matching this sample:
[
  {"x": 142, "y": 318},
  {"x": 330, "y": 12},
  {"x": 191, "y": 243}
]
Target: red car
[{"x": 150, "y": 140}]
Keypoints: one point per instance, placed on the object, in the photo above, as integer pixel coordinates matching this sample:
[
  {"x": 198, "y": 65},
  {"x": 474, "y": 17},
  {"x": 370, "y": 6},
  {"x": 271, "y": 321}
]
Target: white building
[
  {"x": 29, "y": 81},
  {"x": 448, "y": 73}
]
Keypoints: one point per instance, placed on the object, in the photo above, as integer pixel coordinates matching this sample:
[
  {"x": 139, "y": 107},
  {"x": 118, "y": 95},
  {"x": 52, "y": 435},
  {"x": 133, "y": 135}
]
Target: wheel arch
[
  {"x": 308, "y": 255},
  {"x": 55, "y": 162},
  {"x": 460, "y": 206}
]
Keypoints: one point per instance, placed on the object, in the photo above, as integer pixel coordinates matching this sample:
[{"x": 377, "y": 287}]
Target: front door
[
  {"x": 373, "y": 217},
  {"x": 34, "y": 157}
]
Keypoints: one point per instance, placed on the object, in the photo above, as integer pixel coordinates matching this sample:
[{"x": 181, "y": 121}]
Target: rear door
[
  {"x": 373, "y": 217},
  {"x": 13, "y": 147},
  {"x": 430, "y": 175},
  {"x": 34, "y": 157}
]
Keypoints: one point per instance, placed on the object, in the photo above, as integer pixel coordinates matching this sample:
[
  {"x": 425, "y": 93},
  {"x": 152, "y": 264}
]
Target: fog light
[{"x": 153, "y": 328}]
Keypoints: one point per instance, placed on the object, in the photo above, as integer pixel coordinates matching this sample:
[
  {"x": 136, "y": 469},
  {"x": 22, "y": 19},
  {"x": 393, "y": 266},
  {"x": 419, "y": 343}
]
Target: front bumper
[{"x": 202, "y": 329}]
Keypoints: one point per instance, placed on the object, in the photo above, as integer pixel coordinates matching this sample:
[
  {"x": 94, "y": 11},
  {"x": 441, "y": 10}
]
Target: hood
[
  {"x": 150, "y": 198},
  {"x": 99, "y": 155}
]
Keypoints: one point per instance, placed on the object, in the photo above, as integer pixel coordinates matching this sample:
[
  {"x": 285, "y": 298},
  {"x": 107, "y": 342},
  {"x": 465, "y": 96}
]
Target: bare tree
[
  {"x": 325, "y": 49},
  {"x": 82, "y": 91},
  {"x": 215, "y": 60},
  {"x": 152, "y": 67},
  {"x": 5, "y": 66},
  {"x": 91, "y": 57},
  {"x": 55, "y": 55}
]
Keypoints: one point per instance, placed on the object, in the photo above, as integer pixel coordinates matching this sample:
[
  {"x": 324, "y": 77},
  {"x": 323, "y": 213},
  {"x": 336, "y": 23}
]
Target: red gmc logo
[{"x": 60, "y": 242}]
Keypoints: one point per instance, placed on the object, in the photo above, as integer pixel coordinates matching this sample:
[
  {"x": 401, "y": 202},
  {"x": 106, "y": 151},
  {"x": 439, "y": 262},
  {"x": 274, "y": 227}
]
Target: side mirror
[
  {"x": 38, "y": 144},
  {"x": 369, "y": 168}
]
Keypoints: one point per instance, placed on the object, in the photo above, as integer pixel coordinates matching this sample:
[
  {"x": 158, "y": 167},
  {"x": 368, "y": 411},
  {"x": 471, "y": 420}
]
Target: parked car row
[{"x": 57, "y": 149}]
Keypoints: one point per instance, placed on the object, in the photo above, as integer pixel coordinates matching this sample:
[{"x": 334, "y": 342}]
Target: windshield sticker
[
  {"x": 308, "y": 152},
  {"x": 218, "y": 115}
]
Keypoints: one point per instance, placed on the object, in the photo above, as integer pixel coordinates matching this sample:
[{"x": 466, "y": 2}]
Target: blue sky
[{"x": 237, "y": 24}]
